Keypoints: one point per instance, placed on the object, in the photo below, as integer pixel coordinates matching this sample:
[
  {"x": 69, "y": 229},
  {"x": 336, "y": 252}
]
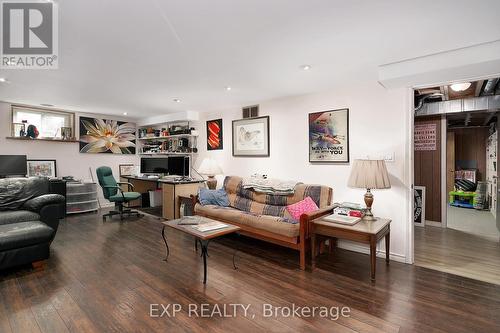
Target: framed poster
[
  {"x": 251, "y": 137},
  {"x": 106, "y": 136},
  {"x": 425, "y": 137},
  {"x": 419, "y": 205},
  {"x": 42, "y": 168},
  {"x": 329, "y": 136},
  {"x": 214, "y": 135}
]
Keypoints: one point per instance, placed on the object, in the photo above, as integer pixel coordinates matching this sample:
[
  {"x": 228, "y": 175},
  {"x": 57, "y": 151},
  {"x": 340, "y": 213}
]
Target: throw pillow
[
  {"x": 213, "y": 197},
  {"x": 305, "y": 206}
]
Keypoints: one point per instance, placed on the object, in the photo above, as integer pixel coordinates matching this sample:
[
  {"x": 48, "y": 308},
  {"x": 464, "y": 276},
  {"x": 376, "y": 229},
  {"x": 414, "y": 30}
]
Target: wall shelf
[
  {"x": 167, "y": 137},
  {"x": 20, "y": 138}
]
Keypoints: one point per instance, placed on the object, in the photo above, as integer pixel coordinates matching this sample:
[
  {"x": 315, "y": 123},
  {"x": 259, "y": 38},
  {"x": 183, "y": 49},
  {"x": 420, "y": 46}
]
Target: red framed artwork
[{"x": 214, "y": 134}]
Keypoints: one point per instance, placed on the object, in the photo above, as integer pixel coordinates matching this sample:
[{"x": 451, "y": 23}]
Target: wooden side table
[{"x": 368, "y": 232}]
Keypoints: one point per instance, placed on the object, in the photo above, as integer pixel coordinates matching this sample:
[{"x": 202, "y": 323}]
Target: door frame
[{"x": 410, "y": 125}]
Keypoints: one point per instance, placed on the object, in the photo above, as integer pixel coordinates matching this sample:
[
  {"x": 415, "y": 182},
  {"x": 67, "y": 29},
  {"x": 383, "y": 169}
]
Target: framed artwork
[
  {"x": 42, "y": 168},
  {"x": 126, "y": 169},
  {"x": 214, "y": 134},
  {"x": 251, "y": 137},
  {"x": 106, "y": 136},
  {"x": 329, "y": 136},
  {"x": 419, "y": 206}
]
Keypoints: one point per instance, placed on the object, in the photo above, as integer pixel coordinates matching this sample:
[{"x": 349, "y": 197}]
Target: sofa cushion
[
  {"x": 213, "y": 197},
  {"x": 305, "y": 206},
  {"x": 17, "y": 235},
  {"x": 14, "y": 192},
  {"x": 273, "y": 224},
  {"x": 16, "y": 216}
]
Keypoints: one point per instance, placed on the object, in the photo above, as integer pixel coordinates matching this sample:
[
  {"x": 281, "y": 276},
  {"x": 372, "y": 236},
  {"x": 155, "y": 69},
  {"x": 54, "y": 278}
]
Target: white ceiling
[{"x": 120, "y": 56}]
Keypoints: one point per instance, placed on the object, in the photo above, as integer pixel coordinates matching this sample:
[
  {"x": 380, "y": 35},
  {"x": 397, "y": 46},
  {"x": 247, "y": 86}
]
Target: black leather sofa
[{"x": 29, "y": 217}]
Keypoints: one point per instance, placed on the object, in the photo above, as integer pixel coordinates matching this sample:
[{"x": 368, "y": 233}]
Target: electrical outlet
[{"x": 389, "y": 157}]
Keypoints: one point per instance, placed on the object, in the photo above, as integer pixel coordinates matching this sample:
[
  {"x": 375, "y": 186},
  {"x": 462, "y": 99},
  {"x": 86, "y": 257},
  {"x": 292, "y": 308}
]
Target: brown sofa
[{"x": 264, "y": 216}]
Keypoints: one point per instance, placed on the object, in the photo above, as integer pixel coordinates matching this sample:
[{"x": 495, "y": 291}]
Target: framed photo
[
  {"x": 42, "y": 168},
  {"x": 329, "y": 136},
  {"x": 126, "y": 169},
  {"x": 214, "y": 134},
  {"x": 419, "y": 206},
  {"x": 66, "y": 133},
  {"x": 103, "y": 136},
  {"x": 251, "y": 137},
  {"x": 18, "y": 129}
]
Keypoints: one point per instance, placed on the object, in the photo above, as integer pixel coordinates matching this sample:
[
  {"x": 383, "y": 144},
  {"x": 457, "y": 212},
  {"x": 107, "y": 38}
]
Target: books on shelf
[
  {"x": 210, "y": 226},
  {"x": 342, "y": 219}
]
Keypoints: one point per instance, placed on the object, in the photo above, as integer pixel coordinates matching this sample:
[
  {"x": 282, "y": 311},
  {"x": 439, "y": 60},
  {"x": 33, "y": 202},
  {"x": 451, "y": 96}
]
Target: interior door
[{"x": 450, "y": 161}]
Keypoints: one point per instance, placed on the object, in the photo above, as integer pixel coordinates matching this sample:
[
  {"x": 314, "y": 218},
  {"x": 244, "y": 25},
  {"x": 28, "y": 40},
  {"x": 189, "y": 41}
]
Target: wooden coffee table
[
  {"x": 369, "y": 232},
  {"x": 203, "y": 238}
]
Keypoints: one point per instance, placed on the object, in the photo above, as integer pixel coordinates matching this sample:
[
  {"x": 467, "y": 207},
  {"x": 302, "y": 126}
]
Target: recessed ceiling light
[
  {"x": 176, "y": 100},
  {"x": 2, "y": 79},
  {"x": 305, "y": 67},
  {"x": 458, "y": 87},
  {"x": 228, "y": 88},
  {"x": 46, "y": 104},
  {"x": 125, "y": 113}
]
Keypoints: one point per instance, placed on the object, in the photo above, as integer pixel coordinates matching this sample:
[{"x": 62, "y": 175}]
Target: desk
[
  {"x": 369, "y": 232},
  {"x": 172, "y": 190}
]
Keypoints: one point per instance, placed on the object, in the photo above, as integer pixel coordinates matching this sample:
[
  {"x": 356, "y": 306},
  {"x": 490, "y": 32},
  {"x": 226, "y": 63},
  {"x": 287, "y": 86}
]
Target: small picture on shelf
[
  {"x": 18, "y": 129},
  {"x": 42, "y": 168}
]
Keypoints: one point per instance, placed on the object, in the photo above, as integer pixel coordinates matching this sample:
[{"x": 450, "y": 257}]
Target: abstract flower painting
[
  {"x": 214, "y": 134},
  {"x": 106, "y": 136}
]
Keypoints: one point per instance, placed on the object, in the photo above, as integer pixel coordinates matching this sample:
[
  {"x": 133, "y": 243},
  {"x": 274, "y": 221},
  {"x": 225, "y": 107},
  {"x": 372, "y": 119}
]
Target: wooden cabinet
[{"x": 172, "y": 192}]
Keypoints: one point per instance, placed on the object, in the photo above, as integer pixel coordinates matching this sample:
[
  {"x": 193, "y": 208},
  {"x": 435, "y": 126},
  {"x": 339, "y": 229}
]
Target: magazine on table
[{"x": 210, "y": 226}]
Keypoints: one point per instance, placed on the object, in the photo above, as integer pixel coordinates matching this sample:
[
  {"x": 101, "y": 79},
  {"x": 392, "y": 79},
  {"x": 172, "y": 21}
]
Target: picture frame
[
  {"x": 42, "y": 168},
  {"x": 215, "y": 135},
  {"x": 126, "y": 169},
  {"x": 95, "y": 135},
  {"x": 251, "y": 137},
  {"x": 419, "y": 206},
  {"x": 329, "y": 136},
  {"x": 66, "y": 133}
]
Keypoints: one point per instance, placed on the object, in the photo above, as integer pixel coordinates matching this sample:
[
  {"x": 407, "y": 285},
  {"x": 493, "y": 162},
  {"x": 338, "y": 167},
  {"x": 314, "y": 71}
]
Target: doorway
[{"x": 455, "y": 177}]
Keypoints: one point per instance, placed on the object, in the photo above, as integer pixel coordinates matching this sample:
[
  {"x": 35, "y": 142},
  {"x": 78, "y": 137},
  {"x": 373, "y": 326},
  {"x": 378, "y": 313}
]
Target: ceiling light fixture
[
  {"x": 125, "y": 113},
  {"x": 46, "y": 104},
  {"x": 228, "y": 88},
  {"x": 176, "y": 100},
  {"x": 458, "y": 87},
  {"x": 305, "y": 67},
  {"x": 2, "y": 79}
]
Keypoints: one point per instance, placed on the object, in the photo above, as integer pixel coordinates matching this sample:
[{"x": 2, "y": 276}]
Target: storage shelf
[
  {"x": 83, "y": 211},
  {"x": 80, "y": 202},
  {"x": 70, "y": 194},
  {"x": 20, "y": 138},
  {"x": 166, "y": 137}
]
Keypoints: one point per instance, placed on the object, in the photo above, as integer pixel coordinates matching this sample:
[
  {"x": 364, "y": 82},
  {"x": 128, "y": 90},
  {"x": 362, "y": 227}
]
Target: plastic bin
[{"x": 156, "y": 198}]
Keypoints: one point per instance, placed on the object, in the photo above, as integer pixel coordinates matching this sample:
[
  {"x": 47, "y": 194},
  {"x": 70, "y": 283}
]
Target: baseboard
[
  {"x": 433, "y": 224},
  {"x": 356, "y": 247}
]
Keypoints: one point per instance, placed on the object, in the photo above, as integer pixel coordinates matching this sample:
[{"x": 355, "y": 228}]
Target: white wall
[
  {"x": 378, "y": 127},
  {"x": 70, "y": 162}
]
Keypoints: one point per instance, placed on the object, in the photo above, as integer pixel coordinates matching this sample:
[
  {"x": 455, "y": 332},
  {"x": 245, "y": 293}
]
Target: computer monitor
[
  {"x": 13, "y": 165},
  {"x": 178, "y": 165},
  {"x": 154, "y": 165}
]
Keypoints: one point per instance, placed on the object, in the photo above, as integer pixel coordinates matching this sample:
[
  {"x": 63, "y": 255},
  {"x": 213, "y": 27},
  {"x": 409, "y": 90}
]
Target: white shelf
[
  {"x": 167, "y": 153},
  {"x": 167, "y": 137}
]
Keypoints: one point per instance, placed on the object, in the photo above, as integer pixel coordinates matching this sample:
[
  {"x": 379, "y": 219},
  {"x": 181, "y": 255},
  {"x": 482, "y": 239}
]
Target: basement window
[{"x": 50, "y": 124}]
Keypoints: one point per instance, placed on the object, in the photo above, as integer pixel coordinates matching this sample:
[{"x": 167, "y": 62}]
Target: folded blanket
[{"x": 270, "y": 186}]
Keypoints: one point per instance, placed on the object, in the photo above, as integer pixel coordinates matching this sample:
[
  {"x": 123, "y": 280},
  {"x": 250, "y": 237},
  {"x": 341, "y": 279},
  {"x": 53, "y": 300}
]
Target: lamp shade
[
  {"x": 369, "y": 174},
  {"x": 209, "y": 167}
]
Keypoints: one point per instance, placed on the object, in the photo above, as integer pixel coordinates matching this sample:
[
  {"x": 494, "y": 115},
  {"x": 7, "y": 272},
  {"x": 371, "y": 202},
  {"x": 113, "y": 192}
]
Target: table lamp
[
  {"x": 369, "y": 174},
  {"x": 210, "y": 168}
]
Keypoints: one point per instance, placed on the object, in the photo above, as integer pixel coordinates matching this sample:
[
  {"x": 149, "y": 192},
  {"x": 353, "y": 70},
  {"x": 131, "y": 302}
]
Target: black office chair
[{"x": 112, "y": 191}]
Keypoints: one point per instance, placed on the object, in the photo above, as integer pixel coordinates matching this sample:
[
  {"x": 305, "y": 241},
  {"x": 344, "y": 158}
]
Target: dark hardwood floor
[{"x": 102, "y": 277}]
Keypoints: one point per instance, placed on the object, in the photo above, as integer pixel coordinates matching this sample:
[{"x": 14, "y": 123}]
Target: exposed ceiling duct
[
  {"x": 489, "y": 87},
  {"x": 485, "y": 103}
]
